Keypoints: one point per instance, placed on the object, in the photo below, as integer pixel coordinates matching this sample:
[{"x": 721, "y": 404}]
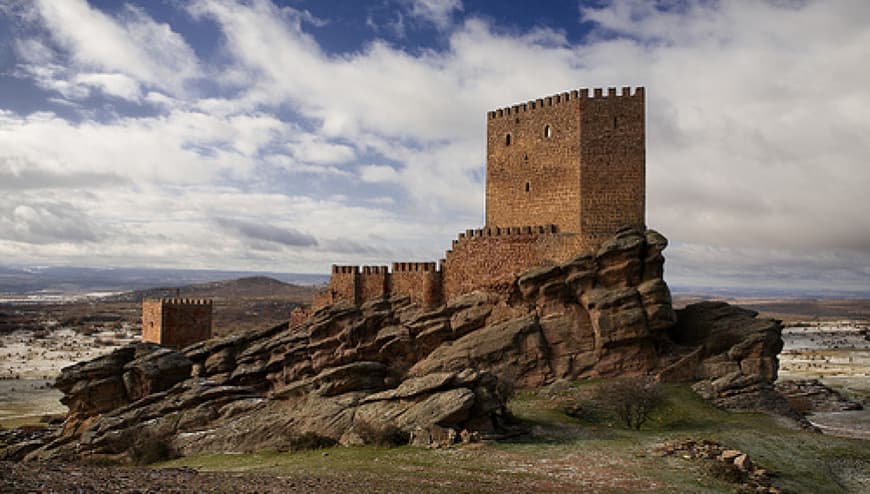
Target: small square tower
[
  {"x": 575, "y": 160},
  {"x": 176, "y": 322}
]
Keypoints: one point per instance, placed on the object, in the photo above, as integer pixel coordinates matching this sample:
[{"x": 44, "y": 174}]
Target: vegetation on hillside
[{"x": 566, "y": 451}]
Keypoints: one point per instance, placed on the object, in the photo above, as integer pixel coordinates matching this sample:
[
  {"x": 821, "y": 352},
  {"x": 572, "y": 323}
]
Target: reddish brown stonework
[
  {"x": 573, "y": 162},
  {"x": 419, "y": 280},
  {"x": 299, "y": 315},
  {"x": 176, "y": 322},
  {"x": 489, "y": 257},
  {"x": 374, "y": 282}
]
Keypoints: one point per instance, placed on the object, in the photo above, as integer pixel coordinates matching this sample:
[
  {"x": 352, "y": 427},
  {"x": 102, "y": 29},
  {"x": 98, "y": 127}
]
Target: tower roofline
[{"x": 557, "y": 99}]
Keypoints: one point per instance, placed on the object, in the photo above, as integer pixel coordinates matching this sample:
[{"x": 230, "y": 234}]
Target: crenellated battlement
[
  {"x": 565, "y": 97},
  {"x": 337, "y": 269},
  {"x": 374, "y": 269},
  {"x": 186, "y": 301},
  {"x": 506, "y": 231},
  {"x": 405, "y": 267}
]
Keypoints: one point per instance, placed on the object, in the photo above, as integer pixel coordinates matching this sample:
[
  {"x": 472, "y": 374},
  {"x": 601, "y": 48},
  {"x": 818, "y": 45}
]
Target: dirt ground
[{"x": 75, "y": 479}]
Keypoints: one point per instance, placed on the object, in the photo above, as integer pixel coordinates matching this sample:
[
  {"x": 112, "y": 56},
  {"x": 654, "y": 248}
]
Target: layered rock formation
[
  {"x": 390, "y": 363},
  {"x": 812, "y": 396}
]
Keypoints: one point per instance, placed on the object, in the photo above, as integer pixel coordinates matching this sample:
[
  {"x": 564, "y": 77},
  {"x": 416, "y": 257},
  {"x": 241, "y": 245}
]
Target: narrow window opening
[
  {"x": 526, "y": 157},
  {"x": 507, "y": 140},
  {"x": 615, "y": 123},
  {"x": 548, "y": 131},
  {"x": 517, "y": 120},
  {"x": 528, "y": 186}
]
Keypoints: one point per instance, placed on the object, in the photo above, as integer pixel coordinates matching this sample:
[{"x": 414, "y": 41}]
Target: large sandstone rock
[
  {"x": 432, "y": 372},
  {"x": 733, "y": 358},
  {"x": 125, "y": 375}
]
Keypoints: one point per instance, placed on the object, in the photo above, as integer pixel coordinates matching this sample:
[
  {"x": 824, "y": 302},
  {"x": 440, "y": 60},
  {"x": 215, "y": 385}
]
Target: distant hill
[
  {"x": 70, "y": 280},
  {"x": 792, "y": 309},
  {"x": 252, "y": 287}
]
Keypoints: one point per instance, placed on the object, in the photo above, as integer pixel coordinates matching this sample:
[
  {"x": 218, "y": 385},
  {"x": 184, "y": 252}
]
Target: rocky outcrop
[
  {"x": 733, "y": 354},
  {"x": 435, "y": 373},
  {"x": 812, "y": 396},
  {"x": 111, "y": 381}
]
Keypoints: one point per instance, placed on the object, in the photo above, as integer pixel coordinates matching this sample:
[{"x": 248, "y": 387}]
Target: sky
[{"x": 290, "y": 135}]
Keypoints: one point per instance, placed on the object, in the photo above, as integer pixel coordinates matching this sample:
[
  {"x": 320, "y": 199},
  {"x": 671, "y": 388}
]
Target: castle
[
  {"x": 563, "y": 173},
  {"x": 176, "y": 322}
]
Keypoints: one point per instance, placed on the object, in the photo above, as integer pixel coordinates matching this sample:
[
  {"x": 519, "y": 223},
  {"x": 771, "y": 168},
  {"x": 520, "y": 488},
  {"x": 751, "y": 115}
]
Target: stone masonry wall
[
  {"x": 488, "y": 257},
  {"x": 374, "y": 282},
  {"x": 612, "y": 163},
  {"x": 533, "y": 178},
  {"x": 176, "y": 322},
  {"x": 152, "y": 319},
  {"x": 344, "y": 284},
  {"x": 419, "y": 280}
]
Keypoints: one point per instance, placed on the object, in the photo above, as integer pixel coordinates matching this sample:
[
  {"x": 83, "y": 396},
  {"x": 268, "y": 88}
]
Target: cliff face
[{"x": 428, "y": 372}]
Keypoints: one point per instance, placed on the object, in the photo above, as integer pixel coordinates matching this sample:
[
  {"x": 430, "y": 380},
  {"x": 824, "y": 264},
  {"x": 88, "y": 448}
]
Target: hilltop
[{"x": 260, "y": 287}]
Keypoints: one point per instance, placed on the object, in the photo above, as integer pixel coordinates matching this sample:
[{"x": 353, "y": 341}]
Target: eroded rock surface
[
  {"x": 434, "y": 373},
  {"x": 812, "y": 396}
]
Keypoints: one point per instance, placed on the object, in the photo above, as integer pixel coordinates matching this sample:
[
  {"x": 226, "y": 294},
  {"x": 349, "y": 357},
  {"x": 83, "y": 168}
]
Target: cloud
[
  {"x": 310, "y": 148},
  {"x": 289, "y": 237},
  {"x": 78, "y": 51},
  {"x": 45, "y": 222},
  {"x": 17, "y": 175},
  {"x": 183, "y": 146},
  {"x": 438, "y": 12},
  {"x": 791, "y": 270},
  {"x": 378, "y": 173},
  {"x": 117, "y": 85}
]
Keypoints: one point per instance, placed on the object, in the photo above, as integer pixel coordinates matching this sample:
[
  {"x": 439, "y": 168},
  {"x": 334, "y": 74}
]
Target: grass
[
  {"x": 592, "y": 454},
  {"x": 20, "y": 421}
]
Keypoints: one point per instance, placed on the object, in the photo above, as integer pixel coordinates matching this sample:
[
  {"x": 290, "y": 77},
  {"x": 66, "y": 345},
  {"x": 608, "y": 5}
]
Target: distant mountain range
[
  {"x": 766, "y": 292},
  {"x": 54, "y": 280},
  {"x": 70, "y": 281}
]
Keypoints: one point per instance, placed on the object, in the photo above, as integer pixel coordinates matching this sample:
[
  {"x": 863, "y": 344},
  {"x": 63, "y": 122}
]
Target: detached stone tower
[
  {"x": 176, "y": 322},
  {"x": 574, "y": 160}
]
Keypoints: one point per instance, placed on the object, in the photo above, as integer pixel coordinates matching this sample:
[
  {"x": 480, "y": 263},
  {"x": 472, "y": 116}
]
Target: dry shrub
[
  {"x": 307, "y": 441},
  {"x": 632, "y": 400}
]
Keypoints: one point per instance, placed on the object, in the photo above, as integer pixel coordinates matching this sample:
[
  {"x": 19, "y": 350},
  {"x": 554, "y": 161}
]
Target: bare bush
[
  {"x": 307, "y": 441},
  {"x": 632, "y": 400}
]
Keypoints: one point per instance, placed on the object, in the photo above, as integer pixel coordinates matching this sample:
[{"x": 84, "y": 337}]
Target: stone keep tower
[
  {"x": 575, "y": 160},
  {"x": 563, "y": 174},
  {"x": 176, "y": 322}
]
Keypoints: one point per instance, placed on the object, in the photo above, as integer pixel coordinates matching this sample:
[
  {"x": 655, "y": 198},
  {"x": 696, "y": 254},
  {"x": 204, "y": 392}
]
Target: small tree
[{"x": 631, "y": 399}]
